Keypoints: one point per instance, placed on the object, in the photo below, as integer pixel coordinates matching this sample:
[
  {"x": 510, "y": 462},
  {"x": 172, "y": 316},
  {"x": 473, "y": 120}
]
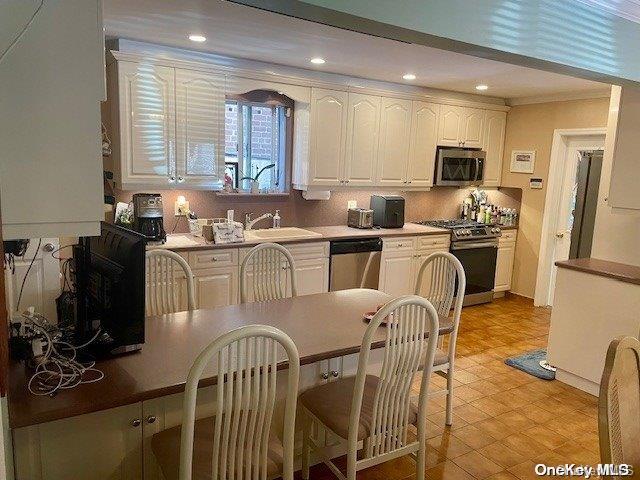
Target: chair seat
[
  {"x": 331, "y": 404},
  {"x": 166, "y": 448},
  {"x": 446, "y": 325}
]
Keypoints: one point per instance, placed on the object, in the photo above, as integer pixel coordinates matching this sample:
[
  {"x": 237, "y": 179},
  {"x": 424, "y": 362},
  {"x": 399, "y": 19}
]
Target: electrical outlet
[
  {"x": 181, "y": 208},
  {"x": 352, "y": 204}
]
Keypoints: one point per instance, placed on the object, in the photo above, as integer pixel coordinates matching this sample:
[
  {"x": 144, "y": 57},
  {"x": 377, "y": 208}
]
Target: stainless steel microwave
[{"x": 459, "y": 166}]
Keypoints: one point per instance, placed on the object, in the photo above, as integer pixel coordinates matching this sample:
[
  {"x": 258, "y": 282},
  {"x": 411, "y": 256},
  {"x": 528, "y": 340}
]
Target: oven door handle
[{"x": 473, "y": 245}]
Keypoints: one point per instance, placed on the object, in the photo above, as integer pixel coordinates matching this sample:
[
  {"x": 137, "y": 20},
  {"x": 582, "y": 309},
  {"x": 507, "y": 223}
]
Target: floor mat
[{"x": 530, "y": 362}]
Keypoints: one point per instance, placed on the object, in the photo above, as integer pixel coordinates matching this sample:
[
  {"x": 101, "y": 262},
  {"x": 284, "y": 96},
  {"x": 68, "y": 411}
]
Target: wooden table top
[{"x": 322, "y": 326}]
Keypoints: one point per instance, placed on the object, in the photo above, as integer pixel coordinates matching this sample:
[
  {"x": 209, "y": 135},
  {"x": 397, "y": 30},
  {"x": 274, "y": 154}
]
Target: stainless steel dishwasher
[{"x": 354, "y": 263}]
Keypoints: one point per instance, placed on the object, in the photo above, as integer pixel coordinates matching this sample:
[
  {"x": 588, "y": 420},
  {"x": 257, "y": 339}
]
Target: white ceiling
[
  {"x": 248, "y": 33},
  {"x": 629, "y": 9}
]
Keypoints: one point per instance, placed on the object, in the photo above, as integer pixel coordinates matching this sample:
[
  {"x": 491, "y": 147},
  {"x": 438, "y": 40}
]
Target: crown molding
[{"x": 559, "y": 97}]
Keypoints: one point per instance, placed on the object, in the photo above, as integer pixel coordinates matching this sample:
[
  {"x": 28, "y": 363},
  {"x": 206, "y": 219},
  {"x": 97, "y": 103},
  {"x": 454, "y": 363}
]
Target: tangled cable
[{"x": 58, "y": 369}]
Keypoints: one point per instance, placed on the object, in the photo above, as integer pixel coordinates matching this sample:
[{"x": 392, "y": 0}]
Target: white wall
[{"x": 616, "y": 236}]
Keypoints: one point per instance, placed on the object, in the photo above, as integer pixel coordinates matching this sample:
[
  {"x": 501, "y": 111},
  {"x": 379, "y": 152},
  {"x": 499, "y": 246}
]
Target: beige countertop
[{"x": 185, "y": 241}]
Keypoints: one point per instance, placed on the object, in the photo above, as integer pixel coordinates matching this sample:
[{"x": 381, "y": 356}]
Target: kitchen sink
[{"x": 276, "y": 234}]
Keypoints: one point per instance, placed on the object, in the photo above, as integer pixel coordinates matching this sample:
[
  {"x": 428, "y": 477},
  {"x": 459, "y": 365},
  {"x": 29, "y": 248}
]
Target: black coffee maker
[{"x": 147, "y": 213}]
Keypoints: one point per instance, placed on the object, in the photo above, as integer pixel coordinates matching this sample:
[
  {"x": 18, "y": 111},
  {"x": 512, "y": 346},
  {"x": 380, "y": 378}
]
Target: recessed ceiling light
[
  {"x": 482, "y": 87},
  {"x": 409, "y": 76},
  {"x": 317, "y": 60},
  {"x": 197, "y": 38}
]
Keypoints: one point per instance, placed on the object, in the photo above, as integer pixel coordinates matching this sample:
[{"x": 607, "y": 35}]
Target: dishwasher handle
[{"x": 339, "y": 247}]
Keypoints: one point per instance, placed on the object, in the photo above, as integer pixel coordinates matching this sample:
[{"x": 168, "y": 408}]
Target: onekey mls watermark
[{"x": 584, "y": 471}]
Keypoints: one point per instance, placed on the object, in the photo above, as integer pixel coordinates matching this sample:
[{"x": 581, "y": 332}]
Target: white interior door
[
  {"x": 42, "y": 285},
  {"x": 564, "y": 220}
]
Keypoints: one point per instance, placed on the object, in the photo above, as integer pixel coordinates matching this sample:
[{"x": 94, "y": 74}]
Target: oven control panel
[{"x": 487, "y": 231}]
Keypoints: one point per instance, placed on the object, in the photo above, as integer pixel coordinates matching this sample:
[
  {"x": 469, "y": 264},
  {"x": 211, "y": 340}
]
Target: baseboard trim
[{"x": 577, "y": 382}]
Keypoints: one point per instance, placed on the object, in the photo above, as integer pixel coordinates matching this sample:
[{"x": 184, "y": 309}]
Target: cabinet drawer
[
  {"x": 213, "y": 258},
  {"x": 398, "y": 244},
  {"x": 428, "y": 242},
  {"x": 299, "y": 251},
  {"x": 508, "y": 236}
]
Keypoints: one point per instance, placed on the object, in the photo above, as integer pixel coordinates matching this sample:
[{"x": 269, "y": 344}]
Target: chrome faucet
[{"x": 248, "y": 223}]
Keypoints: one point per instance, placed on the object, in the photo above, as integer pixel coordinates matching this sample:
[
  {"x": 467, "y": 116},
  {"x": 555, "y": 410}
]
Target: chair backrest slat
[
  {"x": 263, "y": 273},
  {"x": 246, "y": 367},
  {"x": 165, "y": 272},
  {"x": 409, "y": 320},
  {"x": 619, "y": 403}
]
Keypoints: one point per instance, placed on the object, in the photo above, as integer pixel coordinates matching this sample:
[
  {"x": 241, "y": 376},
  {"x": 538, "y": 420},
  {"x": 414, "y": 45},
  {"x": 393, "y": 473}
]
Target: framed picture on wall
[{"x": 522, "y": 161}]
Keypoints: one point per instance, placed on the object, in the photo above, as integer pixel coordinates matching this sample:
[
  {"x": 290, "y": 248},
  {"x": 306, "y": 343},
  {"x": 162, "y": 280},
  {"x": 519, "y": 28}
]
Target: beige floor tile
[
  {"x": 477, "y": 464},
  {"x": 502, "y": 455}
]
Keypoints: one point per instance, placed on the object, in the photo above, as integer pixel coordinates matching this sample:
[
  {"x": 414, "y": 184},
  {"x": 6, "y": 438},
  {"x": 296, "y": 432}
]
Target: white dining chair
[
  {"x": 167, "y": 273},
  {"x": 443, "y": 269},
  {"x": 619, "y": 404},
  {"x": 265, "y": 273},
  {"x": 374, "y": 413},
  {"x": 237, "y": 443}
]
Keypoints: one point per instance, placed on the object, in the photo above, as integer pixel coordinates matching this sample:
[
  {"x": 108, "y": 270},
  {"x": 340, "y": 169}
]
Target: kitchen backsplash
[{"x": 440, "y": 202}]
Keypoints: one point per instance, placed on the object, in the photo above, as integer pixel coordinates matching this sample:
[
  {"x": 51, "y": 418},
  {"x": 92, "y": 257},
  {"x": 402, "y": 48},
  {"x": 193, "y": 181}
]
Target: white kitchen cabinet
[
  {"x": 495, "y": 124},
  {"x": 105, "y": 445},
  {"x": 395, "y": 130},
  {"x": 504, "y": 261},
  {"x": 51, "y": 83},
  {"x": 328, "y": 127},
  {"x": 363, "y": 125},
  {"x": 461, "y": 127},
  {"x": 144, "y": 154},
  {"x": 472, "y": 129},
  {"x": 216, "y": 287},
  {"x": 312, "y": 276},
  {"x": 200, "y": 124},
  {"x": 423, "y": 144}
]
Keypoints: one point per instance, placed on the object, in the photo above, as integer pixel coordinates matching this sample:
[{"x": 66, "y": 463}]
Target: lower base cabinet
[
  {"x": 115, "y": 444},
  {"x": 504, "y": 261}
]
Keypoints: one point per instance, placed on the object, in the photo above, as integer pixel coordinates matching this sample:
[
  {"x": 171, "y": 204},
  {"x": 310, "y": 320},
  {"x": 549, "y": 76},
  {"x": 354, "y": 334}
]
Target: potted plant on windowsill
[{"x": 255, "y": 184}]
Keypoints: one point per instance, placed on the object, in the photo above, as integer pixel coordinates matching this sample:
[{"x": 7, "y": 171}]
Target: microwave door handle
[{"x": 477, "y": 172}]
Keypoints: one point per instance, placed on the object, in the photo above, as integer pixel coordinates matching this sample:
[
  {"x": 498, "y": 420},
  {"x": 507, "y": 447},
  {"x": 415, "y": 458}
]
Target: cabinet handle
[
  {"x": 214, "y": 259},
  {"x": 325, "y": 375},
  {"x": 136, "y": 422},
  {"x": 172, "y": 179},
  {"x": 180, "y": 179},
  {"x": 346, "y": 181},
  {"x": 151, "y": 419},
  {"x": 285, "y": 267},
  {"x": 334, "y": 373}
]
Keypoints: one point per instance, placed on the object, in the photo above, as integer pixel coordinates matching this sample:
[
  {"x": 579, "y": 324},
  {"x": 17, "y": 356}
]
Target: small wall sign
[
  {"x": 535, "y": 183},
  {"x": 522, "y": 161}
]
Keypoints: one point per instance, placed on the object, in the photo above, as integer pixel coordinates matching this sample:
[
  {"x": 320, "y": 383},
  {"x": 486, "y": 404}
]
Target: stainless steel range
[{"x": 476, "y": 246}]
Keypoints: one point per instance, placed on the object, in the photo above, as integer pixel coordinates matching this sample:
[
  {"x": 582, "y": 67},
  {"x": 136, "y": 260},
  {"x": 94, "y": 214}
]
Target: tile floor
[{"x": 505, "y": 421}]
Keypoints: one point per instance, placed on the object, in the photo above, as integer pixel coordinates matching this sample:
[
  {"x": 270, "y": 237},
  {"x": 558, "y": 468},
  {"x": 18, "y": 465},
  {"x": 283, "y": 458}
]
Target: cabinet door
[
  {"x": 395, "y": 129},
  {"x": 423, "y": 144},
  {"x": 494, "y": 130},
  {"x": 327, "y": 136},
  {"x": 504, "y": 266},
  {"x": 450, "y": 125},
  {"x": 147, "y": 130},
  {"x": 200, "y": 102},
  {"x": 312, "y": 276},
  {"x": 216, "y": 287},
  {"x": 362, "y": 140},
  {"x": 284, "y": 281},
  {"x": 472, "y": 131},
  {"x": 396, "y": 273},
  {"x": 103, "y": 445}
]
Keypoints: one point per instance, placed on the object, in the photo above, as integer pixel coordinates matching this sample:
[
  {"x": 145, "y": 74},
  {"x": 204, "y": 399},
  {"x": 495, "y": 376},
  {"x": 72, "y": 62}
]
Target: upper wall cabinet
[
  {"x": 327, "y": 137},
  {"x": 51, "y": 86},
  {"x": 200, "y": 101},
  {"x": 170, "y": 124},
  {"x": 423, "y": 144},
  {"x": 363, "y": 125},
  {"x": 494, "y": 131},
  {"x": 461, "y": 127},
  {"x": 395, "y": 130}
]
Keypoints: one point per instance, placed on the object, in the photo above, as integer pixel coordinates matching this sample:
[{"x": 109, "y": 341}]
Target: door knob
[{"x": 560, "y": 235}]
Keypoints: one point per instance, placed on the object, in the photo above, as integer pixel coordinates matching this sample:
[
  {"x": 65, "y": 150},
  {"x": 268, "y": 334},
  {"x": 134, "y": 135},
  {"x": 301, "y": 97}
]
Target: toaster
[{"x": 360, "y": 218}]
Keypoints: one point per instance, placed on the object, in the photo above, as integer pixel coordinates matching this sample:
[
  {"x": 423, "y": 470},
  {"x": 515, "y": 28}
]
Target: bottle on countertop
[{"x": 276, "y": 219}]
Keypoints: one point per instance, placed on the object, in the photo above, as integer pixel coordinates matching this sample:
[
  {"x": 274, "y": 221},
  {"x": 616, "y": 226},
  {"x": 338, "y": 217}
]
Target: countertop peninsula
[{"x": 604, "y": 268}]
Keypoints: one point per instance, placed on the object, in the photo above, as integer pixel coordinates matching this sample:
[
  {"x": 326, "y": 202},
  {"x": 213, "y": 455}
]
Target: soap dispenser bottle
[{"x": 276, "y": 219}]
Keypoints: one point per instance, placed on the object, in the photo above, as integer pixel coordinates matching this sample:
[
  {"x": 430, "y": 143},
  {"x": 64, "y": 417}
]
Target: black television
[{"x": 110, "y": 290}]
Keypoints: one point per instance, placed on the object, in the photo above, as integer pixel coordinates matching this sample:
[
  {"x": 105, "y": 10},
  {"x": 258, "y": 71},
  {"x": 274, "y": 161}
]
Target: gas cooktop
[{"x": 465, "y": 229}]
